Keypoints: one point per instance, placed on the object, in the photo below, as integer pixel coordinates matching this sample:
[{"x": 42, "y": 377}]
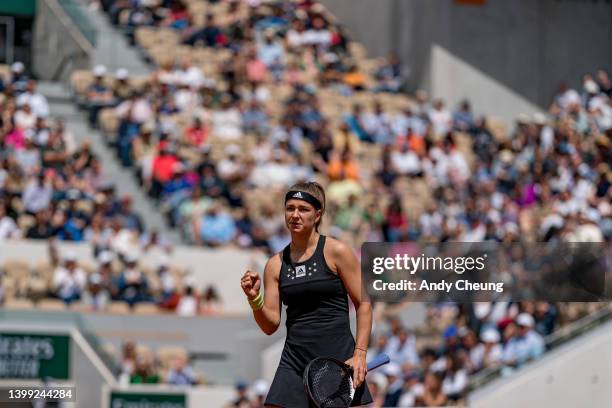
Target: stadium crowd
[
  {"x": 51, "y": 188},
  {"x": 214, "y": 141},
  {"x": 216, "y": 149}
]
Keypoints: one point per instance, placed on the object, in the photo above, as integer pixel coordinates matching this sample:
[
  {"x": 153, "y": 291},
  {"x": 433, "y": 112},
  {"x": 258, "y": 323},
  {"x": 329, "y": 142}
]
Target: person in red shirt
[
  {"x": 163, "y": 167},
  {"x": 196, "y": 134}
]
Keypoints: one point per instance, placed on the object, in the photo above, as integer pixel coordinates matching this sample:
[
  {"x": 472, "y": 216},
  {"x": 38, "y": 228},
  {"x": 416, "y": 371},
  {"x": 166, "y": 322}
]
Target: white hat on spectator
[
  {"x": 18, "y": 67},
  {"x": 506, "y": 156},
  {"x": 99, "y": 70},
  {"x": 95, "y": 278},
  {"x": 260, "y": 387},
  {"x": 122, "y": 73},
  {"x": 393, "y": 369},
  {"x": 522, "y": 118},
  {"x": 490, "y": 336},
  {"x": 539, "y": 118},
  {"x": 148, "y": 127},
  {"x": 591, "y": 87},
  {"x": 232, "y": 149},
  {"x": 379, "y": 379},
  {"x": 105, "y": 257},
  {"x": 70, "y": 256},
  {"x": 525, "y": 319},
  {"x": 131, "y": 257},
  {"x": 163, "y": 261}
]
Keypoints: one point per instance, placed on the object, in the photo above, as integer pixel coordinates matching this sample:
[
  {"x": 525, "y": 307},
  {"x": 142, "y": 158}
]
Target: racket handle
[{"x": 378, "y": 361}]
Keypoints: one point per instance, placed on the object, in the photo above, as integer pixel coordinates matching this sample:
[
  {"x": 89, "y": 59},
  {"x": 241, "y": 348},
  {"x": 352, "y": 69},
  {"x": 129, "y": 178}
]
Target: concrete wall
[
  {"x": 221, "y": 267},
  {"x": 524, "y": 46},
  {"x": 58, "y": 47},
  {"x": 577, "y": 374}
]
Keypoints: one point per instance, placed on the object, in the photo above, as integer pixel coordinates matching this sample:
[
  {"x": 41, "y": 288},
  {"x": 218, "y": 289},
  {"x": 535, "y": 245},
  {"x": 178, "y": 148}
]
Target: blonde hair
[{"x": 315, "y": 189}]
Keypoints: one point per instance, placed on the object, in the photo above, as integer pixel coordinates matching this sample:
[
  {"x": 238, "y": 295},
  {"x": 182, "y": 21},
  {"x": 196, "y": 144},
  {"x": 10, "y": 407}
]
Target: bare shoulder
[
  {"x": 336, "y": 250},
  {"x": 336, "y": 247},
  {"x": 273, "y": 266}
]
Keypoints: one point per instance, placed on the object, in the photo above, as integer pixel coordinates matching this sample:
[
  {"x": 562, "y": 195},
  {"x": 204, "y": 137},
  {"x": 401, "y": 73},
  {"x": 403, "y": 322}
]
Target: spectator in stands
[
  {"x": 463, "y": 119},
  {"x": 132, "y": 113},
  {"x": 188, "y": 304},
  {"x": 181, "y": 373},
  {"x": 155, "y": 240},
  {"x": 25, "y": 118},
  {"x": 242, "y": 399},
  {"x": 163, "y": 168},
  {"x": 121, "y": 87},
  {"x": 260, "y": 390},
  {"x": 128, "y": 357},
  {"x": 8, "y": 226},
  {"x": 433, "y": 395},
  {"x": 168, "y": 297},
  {"x": 440, "y": 119},
  {"x": 216, "y": 227},
  {"x": 456, "y": 377},
  {"x": 402, "y": 348},
  {"x": 132, "y": 283},
  {"x": 41, "y": 229},
  {"x": 210, "y": 35},
  {"x": 525, "y": 345},
  {"x": 129, "y": 218},
  {"x": 144, "y": 372},
  {"x": 69, "y": 280},
  {"x": 389, "y": 74},
  {"x": 99, "y": 95},
  {"x": 227, "y": 121},
  {"x": 395, "y": 383},
  {"x": 356, "y": 123},
  {"x": 211, "y": 301},
  {"x": 36, "y": 100},
  {"x": 489, "y": 353},
  {"x": 19, "y": 78},
  {"x": 96, "y": 296}
]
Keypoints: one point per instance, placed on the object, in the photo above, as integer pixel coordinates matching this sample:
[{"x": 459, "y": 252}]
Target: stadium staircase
[{"x": 62, "y": 105}]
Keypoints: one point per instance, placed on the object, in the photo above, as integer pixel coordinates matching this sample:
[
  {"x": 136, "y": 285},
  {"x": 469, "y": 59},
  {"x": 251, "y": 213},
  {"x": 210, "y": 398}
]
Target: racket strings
[{"x": 331, "y": 385}]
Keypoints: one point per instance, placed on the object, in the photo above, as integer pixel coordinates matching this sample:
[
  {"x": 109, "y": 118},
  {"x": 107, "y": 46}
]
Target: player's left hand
[{"x": 359, "y": 366}]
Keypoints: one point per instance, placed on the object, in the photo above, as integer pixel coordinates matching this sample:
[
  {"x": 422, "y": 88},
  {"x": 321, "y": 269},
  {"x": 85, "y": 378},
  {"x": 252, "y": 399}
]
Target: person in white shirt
[
  {"x": 37, "y": 194},
  {"x": 8, "y": 227},
  {"x": 25, "y": 118},
  {"x": 405, "y": 161},
  {"x": 487, "y": 354},
  {"x": 188, "y": 303},
  {"x": 189, "y": 74},
  {"x": 227, "y": 122},
  {"x": 402, "y": 348},
  {"x": 69, "y": 280},
  {"x": 135, "y": 110},
  {"x": 456, "y": 378},
  {"x": 441, "y": 119},
  {"x": 37, "y": 101}
]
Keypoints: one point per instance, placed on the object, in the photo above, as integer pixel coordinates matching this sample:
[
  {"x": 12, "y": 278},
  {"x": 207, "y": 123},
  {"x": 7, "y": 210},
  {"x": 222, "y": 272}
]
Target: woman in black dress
[{"x": 312, "y": 276}]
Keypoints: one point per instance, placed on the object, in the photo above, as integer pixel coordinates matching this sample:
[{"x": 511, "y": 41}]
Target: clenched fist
[{"x": 251, "y": 284}]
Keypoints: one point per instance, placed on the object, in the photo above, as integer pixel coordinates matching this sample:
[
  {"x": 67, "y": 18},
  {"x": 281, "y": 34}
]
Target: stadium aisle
[{"x": 62, "y": 106}]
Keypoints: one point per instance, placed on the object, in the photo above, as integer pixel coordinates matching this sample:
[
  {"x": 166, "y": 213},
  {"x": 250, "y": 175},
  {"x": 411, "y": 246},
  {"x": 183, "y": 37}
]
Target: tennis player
[{"x": 312, "y": 277}]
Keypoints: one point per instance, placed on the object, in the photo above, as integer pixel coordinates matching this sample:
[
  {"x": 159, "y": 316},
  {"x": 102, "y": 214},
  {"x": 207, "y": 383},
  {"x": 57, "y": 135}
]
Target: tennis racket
[{"x": 329, "y": 382}]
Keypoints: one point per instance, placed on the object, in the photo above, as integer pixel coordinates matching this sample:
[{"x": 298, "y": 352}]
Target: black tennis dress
[{"x": 317, "y": 326}]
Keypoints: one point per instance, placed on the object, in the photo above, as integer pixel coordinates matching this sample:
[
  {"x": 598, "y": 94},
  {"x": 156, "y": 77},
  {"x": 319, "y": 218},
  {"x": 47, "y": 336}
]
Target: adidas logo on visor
[{"x": 298, "y": 195}]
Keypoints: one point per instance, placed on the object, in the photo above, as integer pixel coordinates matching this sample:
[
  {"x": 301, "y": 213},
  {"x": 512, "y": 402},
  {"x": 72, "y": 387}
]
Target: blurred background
[{"x": 146, "y": 146}]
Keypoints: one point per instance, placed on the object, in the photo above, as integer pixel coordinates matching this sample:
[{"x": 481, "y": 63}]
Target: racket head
[{"x": 329, "y": 383}]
